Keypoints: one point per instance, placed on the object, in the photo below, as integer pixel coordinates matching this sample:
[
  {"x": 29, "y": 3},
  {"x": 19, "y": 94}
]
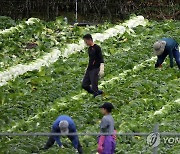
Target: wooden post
[{"x": 76, "y": 11}]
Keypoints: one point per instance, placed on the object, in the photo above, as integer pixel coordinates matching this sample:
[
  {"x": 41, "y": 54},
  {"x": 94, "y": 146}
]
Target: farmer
[
  {"x": 165, "y": 47},
  {"x": 107, "y": 143},
  {"x": 95, "y": 67},
  {"x": 64, "y": 125}
]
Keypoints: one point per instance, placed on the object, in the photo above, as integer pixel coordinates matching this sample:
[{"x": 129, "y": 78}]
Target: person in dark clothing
[
  {"x": 95, "y": 67},
  {"x": 64, "y": 125},
  {"x": 165, "y": 47}
]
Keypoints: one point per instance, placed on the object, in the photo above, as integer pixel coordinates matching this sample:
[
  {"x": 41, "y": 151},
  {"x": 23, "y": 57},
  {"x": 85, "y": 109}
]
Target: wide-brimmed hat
[
  {"x": 159, "y": 47},
  {"x": 64, "y": 127}
]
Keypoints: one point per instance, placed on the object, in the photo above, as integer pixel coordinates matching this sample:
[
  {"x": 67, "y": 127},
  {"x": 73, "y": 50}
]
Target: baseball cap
[
  {"x": 107, "y": 105},
  {"x": 63, "y": 125}
]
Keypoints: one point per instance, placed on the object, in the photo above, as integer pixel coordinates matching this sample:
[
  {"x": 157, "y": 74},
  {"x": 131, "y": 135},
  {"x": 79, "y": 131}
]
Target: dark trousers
[
  {"x": 91, "y": 77},
  {"x": 51, "y": 142},
  {"x": 176, "y": 55}
]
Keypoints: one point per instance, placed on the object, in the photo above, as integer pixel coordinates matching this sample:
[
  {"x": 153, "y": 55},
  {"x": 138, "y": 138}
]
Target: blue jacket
[
  {"x": 171, "y": 44},
  {"x": 72, "y": 129}
]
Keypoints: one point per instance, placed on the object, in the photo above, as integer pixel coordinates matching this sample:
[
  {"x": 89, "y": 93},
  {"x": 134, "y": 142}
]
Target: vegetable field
[{"x": 40, "y": 83}]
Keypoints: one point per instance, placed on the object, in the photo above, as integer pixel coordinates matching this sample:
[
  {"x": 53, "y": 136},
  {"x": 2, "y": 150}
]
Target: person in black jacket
[{"x": 95, "y": 67}]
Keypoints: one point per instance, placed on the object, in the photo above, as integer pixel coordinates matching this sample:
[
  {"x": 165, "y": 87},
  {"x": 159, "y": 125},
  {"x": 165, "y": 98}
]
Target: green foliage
[
  {"x": 15, "y": 47},
  {"x": 6, "y": 22},
  {"x": 33, "y": 101}
]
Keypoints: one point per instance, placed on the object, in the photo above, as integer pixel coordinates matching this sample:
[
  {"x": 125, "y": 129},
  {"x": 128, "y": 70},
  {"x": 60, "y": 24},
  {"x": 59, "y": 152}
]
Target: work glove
[
  {"x": 100, "y": 144},
  {"x": 76, "y": 151},
  {"x": 62, "y": 147},
  {"x": 101, "y": 72},
  {"x": 100, "y": 149},
  {"x": 114, "y": 135}
]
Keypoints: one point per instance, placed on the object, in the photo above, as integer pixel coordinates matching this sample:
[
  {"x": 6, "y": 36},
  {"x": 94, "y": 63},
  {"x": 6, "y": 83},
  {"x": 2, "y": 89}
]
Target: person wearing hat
[
  {"x": 165, "y": 47},
  {"x": 107, "y": 141},
  {"x": 95, "y": 67},
  {"x": 64, "y": 125}
]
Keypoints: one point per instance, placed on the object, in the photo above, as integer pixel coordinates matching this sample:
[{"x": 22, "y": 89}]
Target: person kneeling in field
[
  {"x": 107, "y": 143},
  {"x": 64, "y": 125},
  {"x": 165, "y": 47}
]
